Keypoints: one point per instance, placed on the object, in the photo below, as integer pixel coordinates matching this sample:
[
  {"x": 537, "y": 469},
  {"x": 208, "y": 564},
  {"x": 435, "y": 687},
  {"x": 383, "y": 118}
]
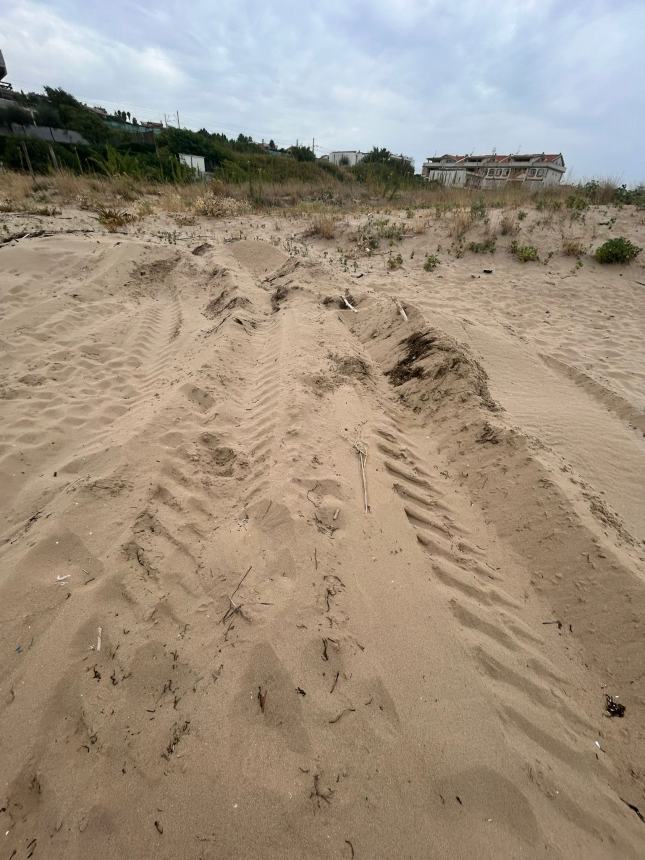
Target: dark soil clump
[
  {"x": 278, "y": 296},
  {"x": 224, "y": 302},
  {"x": 417, "y": 346}
]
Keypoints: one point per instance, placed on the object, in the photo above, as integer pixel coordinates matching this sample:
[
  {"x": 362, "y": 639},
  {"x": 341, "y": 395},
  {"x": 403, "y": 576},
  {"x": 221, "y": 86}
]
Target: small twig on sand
[
  {"x": 98, "y": 638},
  {"x": 401, "y": 310},
  {"x": 313, "y": 490},
  {"x": 262, "y": 698},
  {"x": 241, "y": 581},
  {"x": 234, "y": 607},
  {"x": 350, "y": 306},
  {"x": 362, "y": 457},
  {"x": 342, "y": 714},
  {"x": 315, "y": 558},
  {"x": 333, "y": 686},
  {"x": 351, "y": 847}
]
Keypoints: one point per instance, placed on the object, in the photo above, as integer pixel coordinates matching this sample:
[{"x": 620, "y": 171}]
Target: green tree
[
  {"x": 302, "y": 153},
  {"x": 77, "y": 116}
]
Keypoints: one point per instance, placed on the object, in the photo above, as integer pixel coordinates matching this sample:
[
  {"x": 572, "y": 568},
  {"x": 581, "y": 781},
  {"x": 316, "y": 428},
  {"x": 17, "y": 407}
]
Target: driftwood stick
[
  {"x": 401, "y": 310},
  {"x": 350, "y": 306},
  {"x": 362, "y": 458}
]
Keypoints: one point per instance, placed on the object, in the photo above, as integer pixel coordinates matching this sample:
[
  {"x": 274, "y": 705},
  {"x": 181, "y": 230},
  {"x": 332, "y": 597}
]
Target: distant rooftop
[{"x": 494, "y": 158}]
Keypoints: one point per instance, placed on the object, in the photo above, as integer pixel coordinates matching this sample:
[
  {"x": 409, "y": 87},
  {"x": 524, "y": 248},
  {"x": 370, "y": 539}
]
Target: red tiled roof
[{"x": 501, "y": 159}]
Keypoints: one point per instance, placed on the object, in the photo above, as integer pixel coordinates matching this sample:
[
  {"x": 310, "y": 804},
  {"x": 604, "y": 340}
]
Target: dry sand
[{"x": 211, "y": 650}]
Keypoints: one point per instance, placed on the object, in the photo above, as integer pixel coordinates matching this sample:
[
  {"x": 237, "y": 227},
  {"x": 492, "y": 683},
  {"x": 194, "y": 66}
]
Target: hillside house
[
  {"x": 344, "y": 157},
  {"x": 196, "y": 162},
  {"x": 351, "y": 157},
  {"x": 4, "y": 85},
  {"x": 493, "y": 171}
]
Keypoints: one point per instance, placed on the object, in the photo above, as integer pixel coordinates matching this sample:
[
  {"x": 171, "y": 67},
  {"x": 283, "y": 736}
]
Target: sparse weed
[
  {"x": 524, "y": 253},
  {"x": 461, "y": 224},
  {"x": 112, "y": 219},
  {"x": 394, "y": 262},
  {"x": 184, "y": 219},
  {"x": 431, "y": 262},
  {"x": 392, "y": 232},
  {"x": 220, "y": 207},
  {"x": 572, "y": 247},
  {"x": 144, "y": 209},
  {"x": 485, "y": 247},
  {"x": 508, "y": 227},
  {"x": 478, "y": 209},
  {"x": 577, "y": 203},
  {"x": 323, "y": 226}
]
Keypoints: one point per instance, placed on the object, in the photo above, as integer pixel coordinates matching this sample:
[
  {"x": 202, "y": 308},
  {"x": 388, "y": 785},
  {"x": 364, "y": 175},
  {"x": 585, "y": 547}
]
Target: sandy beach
[{"x": 308, "y": 551}]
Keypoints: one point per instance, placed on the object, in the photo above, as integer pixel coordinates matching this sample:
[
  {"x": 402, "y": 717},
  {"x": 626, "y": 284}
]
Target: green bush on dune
[{"x": 619, "y": 250}]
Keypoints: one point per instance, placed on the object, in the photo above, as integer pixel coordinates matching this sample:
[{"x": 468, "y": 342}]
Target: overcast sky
[{"x": 417, "y": 76}]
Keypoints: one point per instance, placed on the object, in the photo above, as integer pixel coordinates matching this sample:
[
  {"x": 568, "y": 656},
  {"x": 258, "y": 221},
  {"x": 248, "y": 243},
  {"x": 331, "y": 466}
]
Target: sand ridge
[{"x": 213, "y": 650}]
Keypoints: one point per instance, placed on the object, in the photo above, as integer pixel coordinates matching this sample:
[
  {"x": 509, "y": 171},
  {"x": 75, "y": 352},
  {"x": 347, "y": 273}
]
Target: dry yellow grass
[
  {"x": 572, "y": 247},
  {"x": 460, "y": 223},
  {"x": 330, "y": 197},
  {"x": 323, "y": 226}
]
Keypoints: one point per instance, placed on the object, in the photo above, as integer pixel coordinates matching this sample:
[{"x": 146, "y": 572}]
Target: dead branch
[
  {"x": 362, "y": 458},
  {"x": 401, "y": 310}
]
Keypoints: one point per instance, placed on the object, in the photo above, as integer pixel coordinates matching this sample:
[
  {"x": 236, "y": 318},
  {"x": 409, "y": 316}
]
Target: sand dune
[{"x": 211, "y": 649}]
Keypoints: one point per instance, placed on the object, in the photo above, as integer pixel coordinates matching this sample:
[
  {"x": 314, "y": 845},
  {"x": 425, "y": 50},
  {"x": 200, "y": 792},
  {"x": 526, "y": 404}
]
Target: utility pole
[
  {"x": 313, "y": 145},
  {"x": 178, "y": 126}
]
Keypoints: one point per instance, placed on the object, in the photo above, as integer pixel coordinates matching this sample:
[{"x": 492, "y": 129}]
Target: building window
[
  {"x": 498, "y": 172},
  {"x": 531, "y": 171},
  {"x": 491, "y": 171},
  {"x": 540, "y": 171},
  {"x": 507, "y": 170}
]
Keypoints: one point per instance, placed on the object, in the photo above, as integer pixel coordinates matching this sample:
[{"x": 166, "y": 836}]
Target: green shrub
[
  {"x": 636, "y": 196},
  {"x": 393, "y": 232},
  {"x": 577, "y": 203},
  {"x": 521, "y": 215},
  {"x": 524, "y": 253},
  {"x": 619, "y": 250},
  {"x": 431, "y": 262},
  {"x": 395, "y": 262}
]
